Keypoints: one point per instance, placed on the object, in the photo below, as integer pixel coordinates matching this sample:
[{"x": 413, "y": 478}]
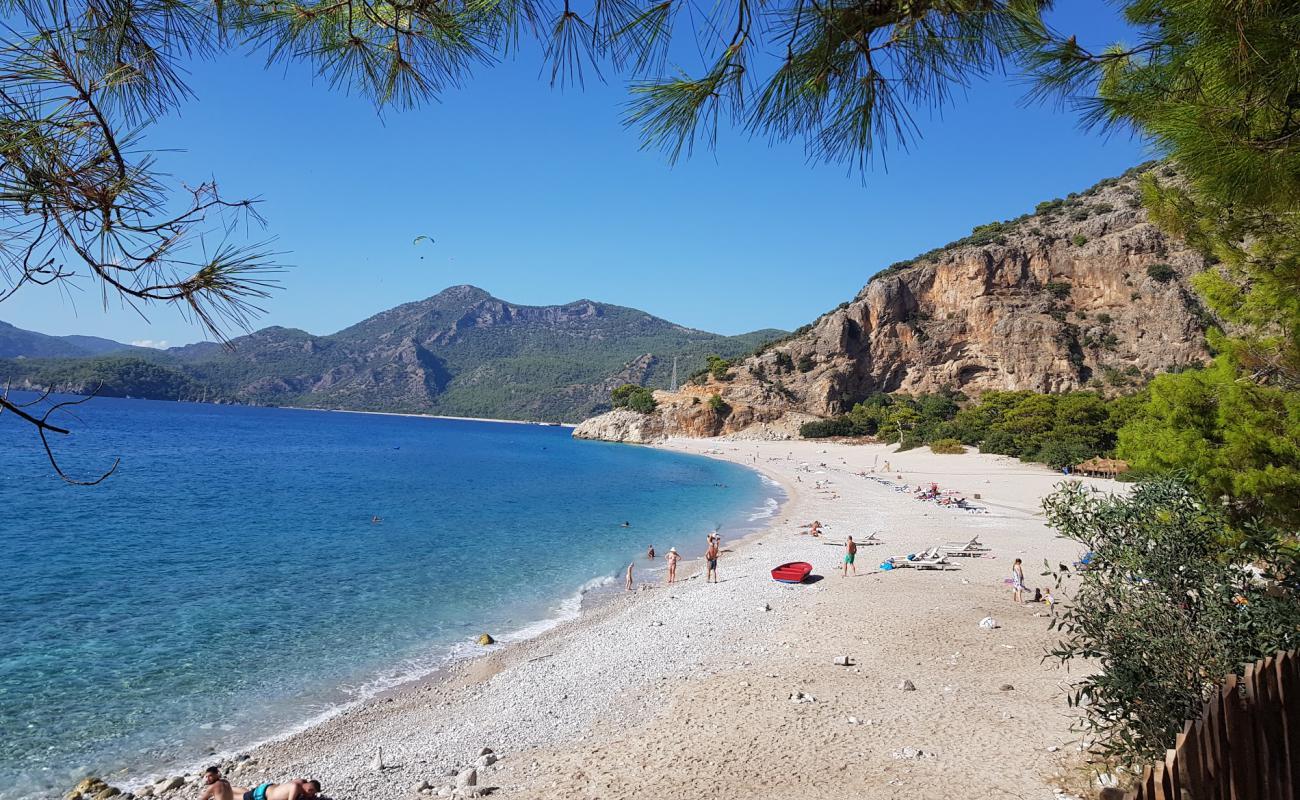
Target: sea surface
[{"x": 230, "y": 583}]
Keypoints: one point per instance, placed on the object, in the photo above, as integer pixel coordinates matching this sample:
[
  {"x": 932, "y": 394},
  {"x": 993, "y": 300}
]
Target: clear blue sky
[{"x": 542, "y": 196}]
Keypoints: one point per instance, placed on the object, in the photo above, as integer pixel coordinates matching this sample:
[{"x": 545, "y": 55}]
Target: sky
[{"x": 543, "y": 196}]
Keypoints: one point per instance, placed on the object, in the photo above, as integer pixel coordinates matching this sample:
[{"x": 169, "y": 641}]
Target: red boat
[{"x": 794, "y": 572}]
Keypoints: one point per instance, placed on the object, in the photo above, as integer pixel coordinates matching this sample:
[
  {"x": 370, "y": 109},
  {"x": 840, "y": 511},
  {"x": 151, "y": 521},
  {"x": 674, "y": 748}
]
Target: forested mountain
[
  {"x": 18, "y": 343},
  {"x": 461, "y": 352}
]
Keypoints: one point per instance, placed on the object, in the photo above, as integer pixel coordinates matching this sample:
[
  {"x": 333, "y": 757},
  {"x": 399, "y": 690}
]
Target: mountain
[
  {"x": 461, "y": 352},
  {"x": 1083, "y": 293},
  {"x": 18, "y": 343}
]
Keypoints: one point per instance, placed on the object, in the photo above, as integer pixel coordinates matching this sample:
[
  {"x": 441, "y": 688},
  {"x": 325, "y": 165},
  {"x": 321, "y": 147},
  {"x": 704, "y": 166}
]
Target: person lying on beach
[
  {"x": 216, "y": 787},
  {"x": 816, "y": 528},
  {"x": 296, "y": 789},
  {"x": 672, "y": 558}
]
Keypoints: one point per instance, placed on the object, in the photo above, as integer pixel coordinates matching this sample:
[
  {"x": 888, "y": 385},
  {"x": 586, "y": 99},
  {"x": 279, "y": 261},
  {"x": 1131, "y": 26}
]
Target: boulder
[
  {"x": 107, "y": 792},
  {"x": 907, "y": 686},
  {"x": 486, "y": 639},
  {"x": 486, "y": 760},
  {"x": 466, "y": 778},
  {"x": 486, "y": 751},
  {"x": 171, "y": 784},
  {"x": 89, "y": 785}
]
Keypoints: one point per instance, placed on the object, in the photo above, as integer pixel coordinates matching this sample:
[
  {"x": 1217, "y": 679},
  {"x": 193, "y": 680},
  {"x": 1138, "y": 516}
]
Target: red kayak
[{"x": 794, "y": 572}]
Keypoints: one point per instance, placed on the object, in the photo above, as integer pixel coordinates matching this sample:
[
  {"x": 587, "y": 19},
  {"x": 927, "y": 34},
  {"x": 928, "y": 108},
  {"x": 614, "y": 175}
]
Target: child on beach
[
  {"x": 1017, "y": 582},
  {"x": 672, "y": 559},
  {"x": 850, "y": 553}
]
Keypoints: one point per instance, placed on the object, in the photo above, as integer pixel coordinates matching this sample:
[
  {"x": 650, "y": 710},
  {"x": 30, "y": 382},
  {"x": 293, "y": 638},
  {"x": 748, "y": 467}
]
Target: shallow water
[{"x": 228, "y": 583}]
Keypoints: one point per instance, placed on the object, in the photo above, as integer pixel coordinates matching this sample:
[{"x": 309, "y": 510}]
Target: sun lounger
[
  {"x": 971, "y": 549},
  {"x": 939, "y": 562}
]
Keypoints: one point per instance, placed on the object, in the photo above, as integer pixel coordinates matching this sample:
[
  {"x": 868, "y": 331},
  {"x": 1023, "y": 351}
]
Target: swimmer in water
[{"x": 650, "y": 551}]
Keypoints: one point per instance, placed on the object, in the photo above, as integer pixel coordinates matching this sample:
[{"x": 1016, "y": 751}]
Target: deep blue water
[{"x": 227, "y": 583}]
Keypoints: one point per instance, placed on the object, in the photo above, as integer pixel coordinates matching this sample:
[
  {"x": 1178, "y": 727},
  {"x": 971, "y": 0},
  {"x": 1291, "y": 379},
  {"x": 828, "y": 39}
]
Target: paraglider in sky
[{"x": 422, "y": 238}]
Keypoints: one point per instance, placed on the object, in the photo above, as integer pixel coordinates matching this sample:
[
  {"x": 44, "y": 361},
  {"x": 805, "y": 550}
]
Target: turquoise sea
[{"x": 228, "y": 583}]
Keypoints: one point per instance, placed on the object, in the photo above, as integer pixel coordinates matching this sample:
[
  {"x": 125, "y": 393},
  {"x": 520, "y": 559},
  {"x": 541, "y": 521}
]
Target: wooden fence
[{"x": 1245, "y": 746}]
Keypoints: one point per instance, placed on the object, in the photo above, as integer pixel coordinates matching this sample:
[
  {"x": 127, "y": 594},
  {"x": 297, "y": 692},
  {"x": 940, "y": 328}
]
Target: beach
[{"x": 679, "y": 691}]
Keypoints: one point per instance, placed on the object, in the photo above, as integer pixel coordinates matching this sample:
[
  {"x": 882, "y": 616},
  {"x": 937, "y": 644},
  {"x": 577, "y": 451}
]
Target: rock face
[{"x": 1055, "y": 301}]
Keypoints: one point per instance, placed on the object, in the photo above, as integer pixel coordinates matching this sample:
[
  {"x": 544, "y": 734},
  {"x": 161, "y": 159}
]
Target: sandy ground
[{"x": 683, "y": 691}]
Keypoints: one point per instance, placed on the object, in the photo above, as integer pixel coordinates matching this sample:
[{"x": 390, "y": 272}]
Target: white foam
[{"x": 769, "y": 509}]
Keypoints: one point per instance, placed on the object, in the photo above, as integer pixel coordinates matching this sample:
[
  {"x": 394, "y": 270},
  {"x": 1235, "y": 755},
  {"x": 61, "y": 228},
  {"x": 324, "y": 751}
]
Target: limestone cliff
[{"x": 1084, "y": 293}]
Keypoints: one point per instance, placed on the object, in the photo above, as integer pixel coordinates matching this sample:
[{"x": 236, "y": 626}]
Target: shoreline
[
  {"x": 569, "y": 425},
  {"x": 634, "y": 662},
  {"x": 587, "y": 601}
]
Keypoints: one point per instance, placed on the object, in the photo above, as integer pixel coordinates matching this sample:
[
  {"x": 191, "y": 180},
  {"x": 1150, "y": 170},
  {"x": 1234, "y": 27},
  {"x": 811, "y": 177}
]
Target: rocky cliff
[{"x": 1084, "y": 293}]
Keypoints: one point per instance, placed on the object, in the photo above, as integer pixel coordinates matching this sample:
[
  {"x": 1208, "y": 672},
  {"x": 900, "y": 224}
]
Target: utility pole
[{"x": 673, "y": 388}]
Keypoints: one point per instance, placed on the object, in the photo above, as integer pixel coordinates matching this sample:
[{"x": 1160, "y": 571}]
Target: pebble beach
[{"x": 882, "y": 685}]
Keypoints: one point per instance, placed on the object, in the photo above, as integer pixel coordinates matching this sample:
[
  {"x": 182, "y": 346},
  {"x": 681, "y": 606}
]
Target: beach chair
[
  {"x": 971, "y": 549},
  {"x": 938, "y": 562}
]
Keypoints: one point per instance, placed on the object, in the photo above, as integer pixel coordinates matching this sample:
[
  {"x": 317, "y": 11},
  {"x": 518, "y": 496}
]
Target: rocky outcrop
[
  {"x": 1086, "y": 293},
  {"x": 622, "y": 425}
]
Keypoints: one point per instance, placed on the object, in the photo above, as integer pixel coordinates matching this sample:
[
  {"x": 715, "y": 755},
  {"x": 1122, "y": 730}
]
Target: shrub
[
  {"x": 822, "y": 428},
  {"x": 719, "y": 367},
  {"x": 1104, "y": 318},
  {"x": 1164, "y": 606},
  {"x": 1080, "y": 214},
  {"x": 619, "y": 397},
  {"x": 947, "y": 447},
  {"x": 1162, "y": 273},
  {"x": 784, "y": 363},
  {"x": 642, "y": 400},
  {"x": 1103, "y": 208},
  {"x": 719, "y": 405},
  {"x": 1079, "y": 240},
  {"x": 806, "y": 363},
  {"x": 1058, "y": 289},
  {"x": 1048, "y": 206}
]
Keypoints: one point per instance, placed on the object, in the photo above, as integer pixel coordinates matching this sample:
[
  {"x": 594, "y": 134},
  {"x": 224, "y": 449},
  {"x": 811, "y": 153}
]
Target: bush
[
  {"x": 1058, "y": 289},
  {"x": 1162, "y": 273},
  {"x": 642, "y": 400},
  {"x": 1048, "y": 206},
  {"x": 719, "y": 367},
  {"x": 820, "y": 429},
  {"x": 619, "y": 397},
  {"x": 784, "y": 363},
  {"x": 1104, "y": 318},
  {"x": 947, "y": 447},
  {"x": 806, "y": 363},
  {"x": 719, "y": 406},
  {"x": 1079, "y": 240},
  {"x": 1164, "y": 606}
]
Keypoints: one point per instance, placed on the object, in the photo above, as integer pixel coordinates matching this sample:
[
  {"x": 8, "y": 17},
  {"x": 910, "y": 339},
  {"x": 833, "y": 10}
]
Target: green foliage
[
  {"x": 1059, "y": 289},
  {"x": 1234, "y": 439},
  {"x": 642, "y": 400},
  {"x": 1162, "y": 272},
  {"x": 1079, "y": 240},
  {"x": 1162, "y": 609},
  {"x": 947, "y": 446},
  {"x": 108, "y": 376},
  {"x": 619, "y": 397},
  {"x": 719, "y": 367},
  {"x": 824, "y": 428},
  {"x": 719, "y": 406},
  {"x": 784, "y": 363},
  {"x": 1104, "y": 318},
  {"x": 1048, "y": 206},
  {"x": 806, "y": 363}
]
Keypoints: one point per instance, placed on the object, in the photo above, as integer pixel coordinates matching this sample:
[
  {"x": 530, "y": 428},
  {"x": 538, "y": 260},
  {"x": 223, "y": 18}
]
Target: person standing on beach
[
  {"x": 628, "y": 583},
  {"x": 672, "y": 559},
  {"x": 1017, "y": 582},
  {"x": 850, "y": 554},
  {"x": 711, "y": 557}
]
